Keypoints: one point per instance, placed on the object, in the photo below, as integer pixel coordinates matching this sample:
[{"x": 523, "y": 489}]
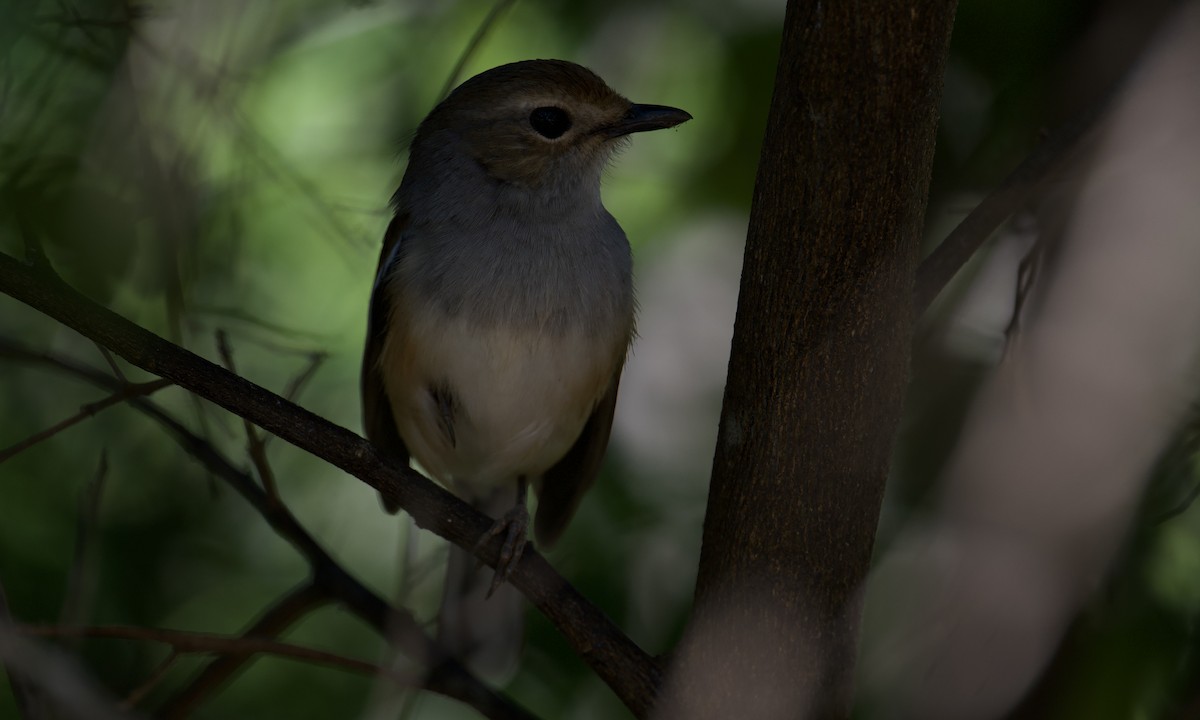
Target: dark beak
[{"x": 641, "y": 118}]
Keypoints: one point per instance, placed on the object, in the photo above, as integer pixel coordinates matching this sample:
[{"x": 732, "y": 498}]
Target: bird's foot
[{"x": 512, "y": 526}]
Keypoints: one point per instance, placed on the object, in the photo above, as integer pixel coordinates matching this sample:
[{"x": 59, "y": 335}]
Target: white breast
[{"x": 521, "y": 398}]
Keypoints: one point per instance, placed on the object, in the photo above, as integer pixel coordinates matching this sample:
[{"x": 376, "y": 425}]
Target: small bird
[{"x": 501, "y": 315}]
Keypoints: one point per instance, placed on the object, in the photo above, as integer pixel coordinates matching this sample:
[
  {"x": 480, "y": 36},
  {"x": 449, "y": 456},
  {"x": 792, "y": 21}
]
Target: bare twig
[
  {"x": 112, "y": 363},
  {"x": 186, "y": 642},
  {"x": 240, "y": 316},
  {"x": 254, "y": 443},
  {"x": 473, "y": 44},
  {"x": 127, "y": 392},
  {"x": 1051, "y": 155},
  {"x": 284, "y": 613},
  {"x": 80, "y": 581},
  {"x": 444, "y": 675},
  {"x": 1027, "y": 272},
  {"x": 139, "y": 693},
  {"x": 296, "y": 385}
]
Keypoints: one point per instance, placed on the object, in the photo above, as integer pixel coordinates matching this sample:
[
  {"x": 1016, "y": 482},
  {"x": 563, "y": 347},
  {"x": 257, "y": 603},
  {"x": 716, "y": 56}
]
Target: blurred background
[{"x": 221, "y": 165}]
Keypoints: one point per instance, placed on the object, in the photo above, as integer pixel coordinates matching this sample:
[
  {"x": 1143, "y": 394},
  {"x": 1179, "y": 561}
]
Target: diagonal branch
[
  {"x": 444, "y": 675},
  {"x": 632, "y": 674},
  {"x": 941, "y": 265},
  {"x": 279, "y": 617}
]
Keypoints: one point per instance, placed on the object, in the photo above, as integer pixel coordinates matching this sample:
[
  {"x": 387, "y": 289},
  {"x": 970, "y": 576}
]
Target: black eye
[{"x": 550, "y": 122}]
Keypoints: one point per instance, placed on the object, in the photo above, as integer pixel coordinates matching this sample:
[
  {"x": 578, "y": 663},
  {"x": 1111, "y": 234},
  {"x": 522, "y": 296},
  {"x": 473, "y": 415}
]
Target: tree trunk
[{"x": 819, "y": 363}]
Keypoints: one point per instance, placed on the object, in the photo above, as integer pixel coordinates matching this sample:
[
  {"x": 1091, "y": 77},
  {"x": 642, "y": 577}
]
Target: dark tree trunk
[{"x": 819, "y": 363}]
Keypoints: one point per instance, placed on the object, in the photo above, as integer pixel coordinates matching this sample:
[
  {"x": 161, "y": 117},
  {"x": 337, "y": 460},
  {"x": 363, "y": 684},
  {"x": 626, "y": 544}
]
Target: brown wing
[
  {"x": 564, "y": 485},
  {"x": 378, "y": 423}
]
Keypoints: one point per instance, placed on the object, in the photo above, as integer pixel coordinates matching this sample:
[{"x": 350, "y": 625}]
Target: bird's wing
[
  {"x": 378, "y": 423},
  {"x": 564, "y": 485}
]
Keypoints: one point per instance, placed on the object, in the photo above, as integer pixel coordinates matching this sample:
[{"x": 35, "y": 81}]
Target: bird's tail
[{"x": 484, "y": 633}]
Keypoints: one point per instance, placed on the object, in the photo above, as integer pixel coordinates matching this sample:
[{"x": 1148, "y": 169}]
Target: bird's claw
[{"x": 512, "y": 525}]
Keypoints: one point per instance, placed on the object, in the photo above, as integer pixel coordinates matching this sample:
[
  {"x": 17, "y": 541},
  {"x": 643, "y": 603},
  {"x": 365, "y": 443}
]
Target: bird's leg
[{"x": 512, "y": 525}]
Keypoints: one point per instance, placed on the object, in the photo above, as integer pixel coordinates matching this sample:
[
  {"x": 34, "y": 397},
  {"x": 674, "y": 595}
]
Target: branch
[
  {"x": 941, "y": 265},
  {"x": 127, "y": 391},
  {"x": 632, "y": 674},
  {"x": 445, "y": 675},
  {"x": 186, "y": 642},
  {"x": 38, "y": 672},
  {"x": 279, "y": 617}
]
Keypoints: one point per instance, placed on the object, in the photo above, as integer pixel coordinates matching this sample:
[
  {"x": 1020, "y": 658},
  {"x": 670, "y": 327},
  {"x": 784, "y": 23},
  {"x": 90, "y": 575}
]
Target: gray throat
[{"x": 549, "y": 258}]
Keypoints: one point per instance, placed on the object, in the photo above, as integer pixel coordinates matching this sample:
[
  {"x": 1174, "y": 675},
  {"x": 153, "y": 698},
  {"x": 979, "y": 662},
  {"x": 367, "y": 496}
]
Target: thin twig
[
  {"x": 254, "y": 443},
  {"x": 159, "y": 673},
  {"x": 473, "y": 44},
  {"x": 112, "y": 363},
  {"x": 282, "y": 614},
  {"x": 80, "y": 581},
  {"x": 243, "y": 317},
  {"x": 296, "y": 385},
  {"x": 187, "y": 642},
  {"x": 1049, "y": 157},
  {"x": 1027, "y": 272},
  {"x": 127, "y": 392}
]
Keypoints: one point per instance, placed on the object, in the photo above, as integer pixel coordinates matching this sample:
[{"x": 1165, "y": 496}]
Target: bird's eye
[{"x": 550, "y": 122}]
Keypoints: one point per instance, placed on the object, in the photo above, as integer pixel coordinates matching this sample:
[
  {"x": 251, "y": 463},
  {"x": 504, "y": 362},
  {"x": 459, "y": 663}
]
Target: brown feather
[
  {"x": 378, "y": 422},
  {"x": 564, "y": 484}
]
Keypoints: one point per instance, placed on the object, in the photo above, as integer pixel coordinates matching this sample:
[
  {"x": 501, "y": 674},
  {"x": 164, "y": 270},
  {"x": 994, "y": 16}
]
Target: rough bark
[{"x": 819, "y": 362}]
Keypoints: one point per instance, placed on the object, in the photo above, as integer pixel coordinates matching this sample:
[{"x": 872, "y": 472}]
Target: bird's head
[{"x": 543, "y": 125}]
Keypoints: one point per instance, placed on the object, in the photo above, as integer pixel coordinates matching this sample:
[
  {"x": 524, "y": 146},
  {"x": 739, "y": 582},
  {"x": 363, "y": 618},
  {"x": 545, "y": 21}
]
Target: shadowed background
[{"x": 225, "y": 165}]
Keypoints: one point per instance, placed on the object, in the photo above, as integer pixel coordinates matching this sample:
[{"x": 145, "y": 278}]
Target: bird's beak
[{"x": 641, "y": 118}]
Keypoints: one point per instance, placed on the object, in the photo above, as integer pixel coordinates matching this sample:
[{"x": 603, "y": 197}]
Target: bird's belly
[{"x": 478, "y": 408}]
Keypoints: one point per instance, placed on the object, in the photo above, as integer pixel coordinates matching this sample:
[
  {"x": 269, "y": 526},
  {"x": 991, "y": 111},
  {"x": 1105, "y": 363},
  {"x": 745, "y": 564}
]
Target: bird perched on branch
[{"x": 501, "y": 315}]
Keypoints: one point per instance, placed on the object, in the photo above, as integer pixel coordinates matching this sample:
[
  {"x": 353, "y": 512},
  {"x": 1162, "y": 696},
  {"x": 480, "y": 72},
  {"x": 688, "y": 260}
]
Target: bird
[{"x": 500, "y": 318}]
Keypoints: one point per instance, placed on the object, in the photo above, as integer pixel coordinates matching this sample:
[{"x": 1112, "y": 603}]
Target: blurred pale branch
[
  {"x": 24, "y": 695},
  {"x": 632, "y": 674},
  {"x": 445, "y": 675},
  {"x": 42, "y": 677}
]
